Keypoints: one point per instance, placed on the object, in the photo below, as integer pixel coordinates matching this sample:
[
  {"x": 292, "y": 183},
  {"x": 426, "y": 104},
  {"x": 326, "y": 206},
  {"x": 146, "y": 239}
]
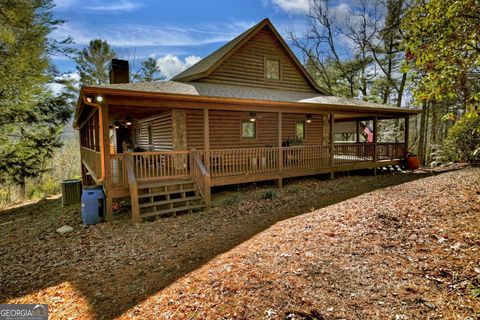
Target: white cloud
[
  {"x": 97, "y": 5},
  {"x": 57, "y": 88},
  {"x": 171, "y": 65},
  {"x": 291, "y": 6},
  {"x": 115, "y": 6},
  {"x": 64, "y": 4},
  {"x": 138, "y": 35},
  {"x": 341, "y": 12}
]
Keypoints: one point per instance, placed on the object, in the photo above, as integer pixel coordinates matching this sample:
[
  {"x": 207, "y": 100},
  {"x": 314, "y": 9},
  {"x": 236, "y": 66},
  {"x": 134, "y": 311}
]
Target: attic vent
[{"x": 119, "y": 71}]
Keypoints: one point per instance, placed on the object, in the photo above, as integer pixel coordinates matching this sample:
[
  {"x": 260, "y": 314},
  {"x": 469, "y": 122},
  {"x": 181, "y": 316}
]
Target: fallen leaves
[{"x": 407, "y": 251}]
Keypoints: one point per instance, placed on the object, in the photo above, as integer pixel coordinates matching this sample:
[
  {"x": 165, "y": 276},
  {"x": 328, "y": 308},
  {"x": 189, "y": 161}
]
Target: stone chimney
[{"x": 119, "y": 71}]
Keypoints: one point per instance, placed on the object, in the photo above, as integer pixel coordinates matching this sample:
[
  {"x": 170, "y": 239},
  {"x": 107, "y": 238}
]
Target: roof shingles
[{"x": 241, "y": 92}]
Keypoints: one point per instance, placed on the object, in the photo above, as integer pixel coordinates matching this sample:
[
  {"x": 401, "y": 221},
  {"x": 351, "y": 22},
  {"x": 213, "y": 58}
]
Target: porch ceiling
[{"x": 119, "y": 113}]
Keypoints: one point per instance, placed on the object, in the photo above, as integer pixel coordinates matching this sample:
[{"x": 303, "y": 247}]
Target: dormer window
[{"x": 272, "y": 69}]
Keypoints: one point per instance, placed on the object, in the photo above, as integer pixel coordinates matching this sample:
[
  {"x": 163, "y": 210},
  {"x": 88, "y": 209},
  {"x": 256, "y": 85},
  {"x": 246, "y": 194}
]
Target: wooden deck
[
  {"x": 134, "y": 173},
  {"x": 231, "y": 166}
]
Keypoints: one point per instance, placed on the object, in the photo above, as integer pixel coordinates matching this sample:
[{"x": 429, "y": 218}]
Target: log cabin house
[{"x": 247, "y": 112}]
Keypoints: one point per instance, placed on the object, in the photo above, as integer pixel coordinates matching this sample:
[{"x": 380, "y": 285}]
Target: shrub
[
  {"x": 45, "y": 188},
  {"x": 268, "y": 194},
  {"x": 293, "y": 188},
  {"x": 231, "y": 199},
  {"x": 463, "y": 140},
  {"x": 444, "y": 153}
]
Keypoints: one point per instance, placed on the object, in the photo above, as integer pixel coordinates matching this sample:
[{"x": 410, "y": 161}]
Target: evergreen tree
[
  {"x": 149, "y": 72},
  {"x": 32, "y": 117},
  {"x": 93, "y": 62}
]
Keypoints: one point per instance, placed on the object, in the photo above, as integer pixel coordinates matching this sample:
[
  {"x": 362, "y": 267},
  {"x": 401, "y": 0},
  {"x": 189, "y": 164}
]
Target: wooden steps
[
  {"x": 172, "y": 211},
  {"x": 159, "y": 203},
  {"x": 168, "y": 197}
]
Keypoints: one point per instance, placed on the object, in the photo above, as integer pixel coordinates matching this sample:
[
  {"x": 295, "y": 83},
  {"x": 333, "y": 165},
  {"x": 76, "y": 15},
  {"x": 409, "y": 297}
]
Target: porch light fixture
[
  {"x": 99, "y": 98},
  {"x": 128, "y": 121},
  {"x": 308, "y": 118},
  {"x": 253, "y": 116},
  {"x": 89, "y": 99},
  {"x": 116, "y": 124}
]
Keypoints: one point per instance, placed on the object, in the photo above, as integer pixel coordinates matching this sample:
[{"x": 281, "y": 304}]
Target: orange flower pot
[{"x": 413, "y": 162}]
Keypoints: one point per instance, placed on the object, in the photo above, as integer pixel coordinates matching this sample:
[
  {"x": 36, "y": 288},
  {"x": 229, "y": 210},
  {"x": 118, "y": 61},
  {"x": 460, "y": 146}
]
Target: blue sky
[{"x": 178, "y": 33}]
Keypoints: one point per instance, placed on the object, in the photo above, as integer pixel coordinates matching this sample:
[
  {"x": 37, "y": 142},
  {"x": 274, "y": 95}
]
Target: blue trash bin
[{"x": 93, "y": 205}]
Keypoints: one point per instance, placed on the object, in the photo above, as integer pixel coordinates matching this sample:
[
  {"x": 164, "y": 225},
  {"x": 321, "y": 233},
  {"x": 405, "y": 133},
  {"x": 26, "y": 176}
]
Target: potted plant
[{"x": 413, "y": 161}]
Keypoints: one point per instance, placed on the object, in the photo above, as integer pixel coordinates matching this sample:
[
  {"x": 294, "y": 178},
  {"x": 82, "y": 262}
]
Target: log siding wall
[
  {"x": 313, "y": 130},
  {"x": 162, "y": 132},
  {"x": 194, "y": 120},
  {"x": 225, "y": 129},
  {"x": 246, "y": 66}
]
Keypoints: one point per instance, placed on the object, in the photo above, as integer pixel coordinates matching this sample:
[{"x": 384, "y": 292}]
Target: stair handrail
[
  {"x": 202, "y": 179},
  {"x": 133, "y": 186}
]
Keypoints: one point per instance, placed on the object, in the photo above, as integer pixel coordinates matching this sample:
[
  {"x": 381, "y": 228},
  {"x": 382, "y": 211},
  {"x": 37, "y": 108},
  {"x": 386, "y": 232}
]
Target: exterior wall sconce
[
  {"x": 253, "y": 116},
  {"x": 99, "y": 98},
  {"x": 308, "y": 118}
]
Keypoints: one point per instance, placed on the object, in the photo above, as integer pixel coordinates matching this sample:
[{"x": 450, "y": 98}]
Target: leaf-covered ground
[{"x": 395, "y": 246}]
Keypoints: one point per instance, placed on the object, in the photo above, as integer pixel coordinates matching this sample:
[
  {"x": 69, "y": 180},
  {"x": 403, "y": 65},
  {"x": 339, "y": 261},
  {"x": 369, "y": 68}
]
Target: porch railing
[
  {"x": 353, "y": 153},
  {"x": 306, "y": 157},
  {"x": 161, "y": 164},
  {"x": 92, "y": 160},
  {"x": 390, "y": 150},
  {"x": 232, "y": 162},
  {"x": 118, "y": 170},
  {"x": 201, "y": 176}
]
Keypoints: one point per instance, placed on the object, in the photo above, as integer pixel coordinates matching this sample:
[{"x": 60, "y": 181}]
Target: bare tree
[{"x": 342, "y": 68}]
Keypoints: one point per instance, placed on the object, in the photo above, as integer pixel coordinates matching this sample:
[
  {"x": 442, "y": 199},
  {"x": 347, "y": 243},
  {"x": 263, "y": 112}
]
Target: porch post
[
  {"x": 358, "y": 130},
  {"x": 332, "y": 147},
  {"x": 81, "y": 143},
  {"x": 280, "y": 149},
  {"x": 206, "y": 138},
  {"x": 375, "y": 154},
  {"x": 179, "y": 139},
  {"x": 406, "y": 135},
  {"x": 106, "y": 150}
]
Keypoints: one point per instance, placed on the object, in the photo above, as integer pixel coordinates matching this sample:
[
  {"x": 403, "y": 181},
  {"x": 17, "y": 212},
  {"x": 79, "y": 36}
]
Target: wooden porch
[
  {"x": 208, "y": 168},
  {"x": 170, "y": 181}
]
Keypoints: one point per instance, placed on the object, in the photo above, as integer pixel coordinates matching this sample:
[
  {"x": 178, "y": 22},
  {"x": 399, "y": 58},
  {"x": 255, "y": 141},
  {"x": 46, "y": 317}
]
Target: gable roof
[{"x": 207, "y": 65}]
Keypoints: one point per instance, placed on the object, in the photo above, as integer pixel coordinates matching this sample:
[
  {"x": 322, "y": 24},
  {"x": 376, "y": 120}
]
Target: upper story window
[{"x": 272, "y": 69}]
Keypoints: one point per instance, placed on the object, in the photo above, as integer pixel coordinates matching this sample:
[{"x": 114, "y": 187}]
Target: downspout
[{"x": 100, "y": 122}]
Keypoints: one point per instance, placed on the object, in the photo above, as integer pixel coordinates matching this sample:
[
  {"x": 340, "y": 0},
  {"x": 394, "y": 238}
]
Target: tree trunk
[
  {"x": 445, "y": 123},
  {"x": 23, "y": 189},
  {"x": 425, "y": 140},
  {"x": 401, "y": 89},
  {"x": 421, "y": 140},
  {"x": 434, "y": 111}
]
